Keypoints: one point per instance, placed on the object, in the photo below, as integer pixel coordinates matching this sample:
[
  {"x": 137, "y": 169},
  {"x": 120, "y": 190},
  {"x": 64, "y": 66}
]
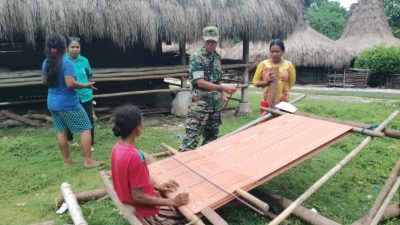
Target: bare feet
[
  {"x": 69, "y": 162},
  {"x": 92, "y": 163}
]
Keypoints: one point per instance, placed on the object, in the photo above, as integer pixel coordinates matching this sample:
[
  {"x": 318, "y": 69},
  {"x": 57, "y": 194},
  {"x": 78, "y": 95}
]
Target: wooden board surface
[{"x": 246, "y": 159}]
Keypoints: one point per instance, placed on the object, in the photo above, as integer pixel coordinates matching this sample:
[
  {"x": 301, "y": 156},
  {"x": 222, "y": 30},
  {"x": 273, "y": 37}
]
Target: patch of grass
[{"x": 31, "y": 169}]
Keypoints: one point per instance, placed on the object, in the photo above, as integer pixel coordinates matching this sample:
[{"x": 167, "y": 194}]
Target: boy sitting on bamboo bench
[{"x": 131, "y": 177}]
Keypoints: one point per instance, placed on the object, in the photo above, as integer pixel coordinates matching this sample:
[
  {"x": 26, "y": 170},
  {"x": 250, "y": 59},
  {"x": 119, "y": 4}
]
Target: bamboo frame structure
[
  {"x": 385, "y": 204},
  {"x": 331, "y": 173},
  {"x": 381, "y": 197},
  {"x": 355, "y": 129}
]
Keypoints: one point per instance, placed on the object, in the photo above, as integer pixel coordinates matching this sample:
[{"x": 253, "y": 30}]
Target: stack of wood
[{"x": 11, "y": 119}]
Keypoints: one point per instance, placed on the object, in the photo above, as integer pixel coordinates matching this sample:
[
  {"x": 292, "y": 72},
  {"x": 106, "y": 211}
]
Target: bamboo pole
[
  {"x": 381, "y": 197},
  {"x": 354, "y": 129},
  {"x": 273, "y": 88},
  {"x": 260, "y": 119},
  {"x": 143, "y": 74},
  {"x": 169, "y": 149},
  {"x": 301, "y": 212},
  {"x": 19, "y": 118},
  {"x": 264, "y": 207},
  {"x": 331, "y": 173},
  {"x": 73, "y": 206},
  {"x": 83, "y": 196},
  {"x": 388, "y": 132},
  {"x": 160, "y": 154},
  {"x": 126, "y": 210},
  {"x": 385, "y": 204}
]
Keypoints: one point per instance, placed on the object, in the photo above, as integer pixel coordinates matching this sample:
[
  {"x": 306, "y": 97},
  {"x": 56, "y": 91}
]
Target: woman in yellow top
[{"x": 287, "y": 73}]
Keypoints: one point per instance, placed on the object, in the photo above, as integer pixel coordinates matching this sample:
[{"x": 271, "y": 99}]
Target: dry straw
[
  {"x": 366, "y": 27},
  {"x": 126, "y": 22},
  {"x": 305, "y": 47}
]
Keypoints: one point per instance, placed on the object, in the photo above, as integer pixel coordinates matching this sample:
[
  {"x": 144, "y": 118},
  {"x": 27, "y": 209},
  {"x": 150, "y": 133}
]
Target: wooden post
[
  {"x": 264, "y": 207},
  {"x": 160, "y": 154},
  {"x": 73, "y": 206},
  {"x": 182, "y": 51},
  {"x": 331, "y": 173},
  {"x": 126, "y": 210},
  {"x": 83, "y": 196},
  {"x": 381, "y": 197},
  {"x": 246, "y": 49}
]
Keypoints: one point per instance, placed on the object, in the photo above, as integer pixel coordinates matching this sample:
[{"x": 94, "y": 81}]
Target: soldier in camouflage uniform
[{"x": 208, "y": 97}]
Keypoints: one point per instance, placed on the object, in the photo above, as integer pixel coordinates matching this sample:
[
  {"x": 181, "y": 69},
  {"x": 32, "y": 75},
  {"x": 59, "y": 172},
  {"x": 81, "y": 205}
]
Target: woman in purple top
[{"x": 62, "y": 100}]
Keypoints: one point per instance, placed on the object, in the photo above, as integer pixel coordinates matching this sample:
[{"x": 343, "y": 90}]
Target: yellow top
[{"x": 286, "y": 70}]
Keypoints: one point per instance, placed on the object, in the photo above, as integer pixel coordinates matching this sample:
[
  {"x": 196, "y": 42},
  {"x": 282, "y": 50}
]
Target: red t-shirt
[{"x": 129, "y": 171}]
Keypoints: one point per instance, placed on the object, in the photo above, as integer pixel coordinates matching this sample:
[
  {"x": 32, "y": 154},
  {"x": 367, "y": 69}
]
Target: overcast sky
[{"x": 346, "y": 3}]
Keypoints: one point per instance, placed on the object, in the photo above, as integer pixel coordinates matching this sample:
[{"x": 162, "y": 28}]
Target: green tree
[
  {"x": 392, "y": 11},
  {"x": 327, "y": 17}
]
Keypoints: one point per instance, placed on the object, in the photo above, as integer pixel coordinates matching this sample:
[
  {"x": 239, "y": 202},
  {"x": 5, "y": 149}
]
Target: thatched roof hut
[
  {"x": 305, "y": 47},
  {"x": 366, "y": 27},
  {"x": 148, "y": 22}
]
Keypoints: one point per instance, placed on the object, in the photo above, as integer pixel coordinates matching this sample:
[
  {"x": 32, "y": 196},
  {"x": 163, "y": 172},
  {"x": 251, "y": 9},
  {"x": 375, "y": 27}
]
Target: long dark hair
[
  {"x": 126, "y": 119},
  {"x": 55, "y": 51},
  {"x": 279, "y": 43}
]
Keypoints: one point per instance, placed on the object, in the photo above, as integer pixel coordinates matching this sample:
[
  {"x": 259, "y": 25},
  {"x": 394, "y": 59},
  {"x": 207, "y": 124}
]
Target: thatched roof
[
  {"x": 305, "y": 47},
  {"x": 126, "y": 22},
  {"x": 366, "y": 27}
]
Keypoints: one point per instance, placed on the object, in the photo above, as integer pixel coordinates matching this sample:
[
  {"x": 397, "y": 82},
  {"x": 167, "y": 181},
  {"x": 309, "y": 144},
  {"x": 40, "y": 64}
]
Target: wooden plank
[
  {"x": 213, "y": 217},
  {"x": 140, "y": 92},
  {"x": 273, "y": 89}
]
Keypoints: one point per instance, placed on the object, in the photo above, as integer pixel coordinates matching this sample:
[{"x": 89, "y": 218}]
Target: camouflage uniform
[{"x": 204, "y": 115}]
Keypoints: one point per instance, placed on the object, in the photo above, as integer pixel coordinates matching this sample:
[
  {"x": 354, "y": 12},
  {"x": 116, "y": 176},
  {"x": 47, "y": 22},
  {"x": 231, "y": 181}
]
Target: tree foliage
[
  {"x": 327, "y": 17},
  {"x": 392, "y": 11},
  {"x": 380, "y": 59}
]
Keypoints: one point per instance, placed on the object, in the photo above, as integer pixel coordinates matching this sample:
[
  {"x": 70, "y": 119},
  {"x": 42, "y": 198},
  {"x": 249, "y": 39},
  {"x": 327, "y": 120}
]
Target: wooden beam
[
  {"x": 73, "y": 206},
  {"x": 127, "y": 211},
  {"x": 331, "y": 173},
  {"x": 19, "y": 118},
  {"x": 213, "y": 217},
  {"x": 83, "y": 196}
]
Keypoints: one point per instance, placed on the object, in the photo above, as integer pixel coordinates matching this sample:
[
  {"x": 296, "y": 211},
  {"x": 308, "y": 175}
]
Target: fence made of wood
[
  {"x": 25, "y": 87},
  {"x": 393, "y": 81},
  {"x": 351, "y": 77}
]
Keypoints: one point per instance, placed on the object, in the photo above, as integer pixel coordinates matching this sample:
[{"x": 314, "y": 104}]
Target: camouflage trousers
[{"x": 197, "y": 124}]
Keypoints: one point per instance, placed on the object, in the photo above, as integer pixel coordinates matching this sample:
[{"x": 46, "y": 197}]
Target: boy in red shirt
[{"x": 131, "y": 178}]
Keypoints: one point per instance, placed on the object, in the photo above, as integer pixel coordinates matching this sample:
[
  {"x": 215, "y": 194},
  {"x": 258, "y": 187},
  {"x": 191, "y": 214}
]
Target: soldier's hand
[
  {"x": 181, "y": 199},
  {"x": 229, "y": 89}
]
